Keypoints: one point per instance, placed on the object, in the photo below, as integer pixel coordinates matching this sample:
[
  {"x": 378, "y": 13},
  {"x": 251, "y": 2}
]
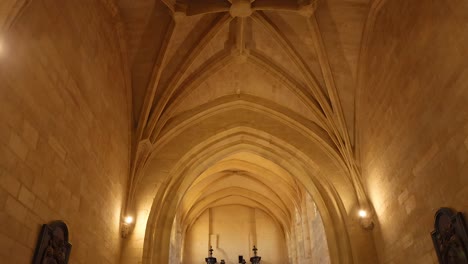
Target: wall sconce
[
  {"x": 127, "y": 225},
  {"x": 365, "y": 220}
]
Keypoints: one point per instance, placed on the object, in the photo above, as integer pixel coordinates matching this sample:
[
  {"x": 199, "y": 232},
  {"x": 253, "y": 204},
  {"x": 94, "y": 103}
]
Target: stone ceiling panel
[
  {"x": 341, "y": 25},
  {"x": 265, "y": 44},
  {"x": 215, "y": 46},
  {"x": 188, "y": 50},
  {"x": 185, "y": 25},
  {"x": 245, "y": 78},
  {"x": 296, "y": 30}
]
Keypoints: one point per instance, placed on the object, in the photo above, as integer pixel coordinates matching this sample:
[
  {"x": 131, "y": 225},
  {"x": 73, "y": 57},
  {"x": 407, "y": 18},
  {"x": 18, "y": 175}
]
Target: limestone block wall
[
  {"x": 63, "y": 130},
  {"x": 414, "y": 123},
  {"x": 318, "y": 241},
  {"x": 308, "y": 242}
]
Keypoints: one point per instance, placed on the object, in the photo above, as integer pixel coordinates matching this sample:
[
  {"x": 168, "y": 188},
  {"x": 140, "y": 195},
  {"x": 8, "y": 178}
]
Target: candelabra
[
  {"x": 255, "y": 259},
  {"x": 210, "y": 259}
]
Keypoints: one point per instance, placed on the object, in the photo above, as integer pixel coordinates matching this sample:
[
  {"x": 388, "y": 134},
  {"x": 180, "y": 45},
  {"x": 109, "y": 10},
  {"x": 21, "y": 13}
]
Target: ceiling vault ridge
[
  {"x": 153, "y": 84},
  {"x": 346, "y": 147},
  {"x": 204, "y": 40},
  {"x": 206, "y": 197},
  {"x": 217, "y": 62},
  {"x": 262, "y": 61},
  {"x": 195, "y": 162},
  {"x": 328, "y": 104},
  {"x": 331, "y": 104},
  {"x": 141, "y": 147},
  {"x": 282, "y": 223},
  {"x": 211, "y": 66},
  {"x": 255, "y": 178},
  {"x": 297, "y": 87},
  {"x": 148, "y": 119},
  {"x": 261, "y": 173},
  {"x": 264, "y": 202},
  {"x": 222, "y": 60},
  {"x": 246, "y": 135},
  {"x": 189, "y": 160},
  {"x": 313, "y": 132},
  {"x": 277, "y": 35},
  {"x": 240, "y": 8},
  {"x": 113, "y": 10},
  {"x": 163, "y": 97}
]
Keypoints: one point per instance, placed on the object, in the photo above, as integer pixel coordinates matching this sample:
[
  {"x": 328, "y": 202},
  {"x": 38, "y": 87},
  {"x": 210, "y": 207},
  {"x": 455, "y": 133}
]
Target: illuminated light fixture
[
  {"x": 128, "y": 220},
  {"x": 362, "y": 213},
  {"x": 2, "y": 47},
  {"x": 126, "y": 226},
  {"x": 365, "y": 220}
]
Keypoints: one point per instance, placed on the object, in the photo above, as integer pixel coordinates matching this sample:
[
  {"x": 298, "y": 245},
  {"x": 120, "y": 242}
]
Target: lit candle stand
[{"x": 255, "y": 259}]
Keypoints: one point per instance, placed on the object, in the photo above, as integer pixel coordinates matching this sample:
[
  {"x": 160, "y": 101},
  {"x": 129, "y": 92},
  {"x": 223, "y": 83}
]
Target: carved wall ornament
[
  {"x": 53, "y": 246},
  {"x": 450, "y": 237}
]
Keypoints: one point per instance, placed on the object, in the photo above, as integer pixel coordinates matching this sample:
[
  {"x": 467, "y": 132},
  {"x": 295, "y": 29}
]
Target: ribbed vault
[
  {"x": 240, "y": 103},
  {"x": 246, "y": 104}
]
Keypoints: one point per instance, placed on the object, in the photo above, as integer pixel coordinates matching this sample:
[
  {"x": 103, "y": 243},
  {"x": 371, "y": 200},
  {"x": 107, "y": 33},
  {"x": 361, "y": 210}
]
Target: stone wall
[
  {"x": 414, "y": 123},
  {"x": 232, "y": 230},
  {"x": 318, "y": 241},
  {"x": 9, "y": 10},
  {"x": 64, "y": 130}
]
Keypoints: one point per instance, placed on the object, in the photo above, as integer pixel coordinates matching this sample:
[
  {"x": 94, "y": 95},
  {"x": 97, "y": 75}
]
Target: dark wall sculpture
[
  {"x": 53, "y": 246},
  {"x": 450, "y": 237}
]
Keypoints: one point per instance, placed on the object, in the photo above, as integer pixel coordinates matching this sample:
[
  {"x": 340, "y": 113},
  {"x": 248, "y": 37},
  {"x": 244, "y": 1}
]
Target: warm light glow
[
  {"x": 1, "y": 47},
  {"x": 362, "y": 213},
  {"x": 128, "y": 219}
]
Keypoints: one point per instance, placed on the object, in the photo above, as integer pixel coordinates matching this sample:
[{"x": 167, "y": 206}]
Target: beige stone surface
[
  {"x": 299, "y": 113},
  {"x": 233, "y": 230},
  {"x": 64, "y": 130},
  {"x": 413, "y": 123},
  {"x": 248, "y": 93}
]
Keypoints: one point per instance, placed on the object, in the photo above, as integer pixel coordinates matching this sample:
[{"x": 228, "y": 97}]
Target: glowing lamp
[
  {"x": 128, "y": 219},
  {"x": 362, "y": 213}
]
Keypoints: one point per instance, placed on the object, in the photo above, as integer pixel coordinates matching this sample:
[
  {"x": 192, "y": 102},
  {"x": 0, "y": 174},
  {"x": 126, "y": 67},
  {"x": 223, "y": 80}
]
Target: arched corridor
[{"x": 318, "y": 131}]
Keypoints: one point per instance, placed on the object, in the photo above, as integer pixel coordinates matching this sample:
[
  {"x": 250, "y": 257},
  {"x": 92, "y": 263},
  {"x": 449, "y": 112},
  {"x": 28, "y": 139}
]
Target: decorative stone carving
[
  {"x": 450, "y": 237},
  {"x": 53, "y": 246},
  {"x": 240, "y": 8}
]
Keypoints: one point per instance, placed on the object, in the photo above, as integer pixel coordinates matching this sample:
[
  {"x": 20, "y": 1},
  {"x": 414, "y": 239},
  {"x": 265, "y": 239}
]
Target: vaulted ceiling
[
  {"x": 242, "y": 102},
  {"x": 284, "y": 44}
]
